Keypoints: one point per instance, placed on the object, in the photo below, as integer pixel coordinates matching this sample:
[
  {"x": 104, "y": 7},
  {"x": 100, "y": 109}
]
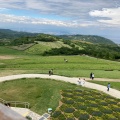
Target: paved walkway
[{"x": 112, "y": 92}]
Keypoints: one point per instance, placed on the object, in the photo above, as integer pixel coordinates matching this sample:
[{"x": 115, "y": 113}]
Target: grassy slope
[
  {"x": 9, "y": 51},
  {"x": 44, "y": 46},
  {"x": 40, "y": 93},
  {"x": 77, "y": 66}
]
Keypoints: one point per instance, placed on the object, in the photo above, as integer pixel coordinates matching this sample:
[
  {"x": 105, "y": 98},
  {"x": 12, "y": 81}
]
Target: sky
[{"x": 68, "y": 17}]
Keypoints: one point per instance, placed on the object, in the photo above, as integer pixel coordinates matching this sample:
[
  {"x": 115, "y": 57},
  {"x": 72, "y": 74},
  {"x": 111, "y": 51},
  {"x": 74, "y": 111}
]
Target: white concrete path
[{"x": 112, "y": 92}]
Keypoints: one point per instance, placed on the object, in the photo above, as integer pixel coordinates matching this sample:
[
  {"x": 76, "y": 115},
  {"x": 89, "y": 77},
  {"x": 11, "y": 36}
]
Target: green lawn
[
  {"x": 45, "y": 93},
  {"x": 77, "y": 66},
  {"x": 115, "y": 85},
  {"x": 10, "y": 51},
  {"x": 40, "y": 93}
]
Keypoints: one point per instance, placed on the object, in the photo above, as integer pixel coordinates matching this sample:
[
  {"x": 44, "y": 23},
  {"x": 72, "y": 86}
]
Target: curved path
[{"x": 112, "y": 92}]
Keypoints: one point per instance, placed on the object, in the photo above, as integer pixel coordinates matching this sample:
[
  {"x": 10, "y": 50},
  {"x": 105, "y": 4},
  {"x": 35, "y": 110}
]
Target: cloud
[
  {"x": 109, "y": 16},
  {"x": 66, "y": 8},
  {"x": 37, "y": 21},
  {"x": 3, "y": 9}
]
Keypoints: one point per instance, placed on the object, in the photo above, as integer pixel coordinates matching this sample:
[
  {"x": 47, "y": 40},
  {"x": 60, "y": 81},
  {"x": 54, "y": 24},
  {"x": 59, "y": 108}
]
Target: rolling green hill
[
  {"x": 88, "y": 38},
  {"x": 10, "y": 34},
  {"x": 46, "y": 44},
  {"x": 41, "y": 47}
]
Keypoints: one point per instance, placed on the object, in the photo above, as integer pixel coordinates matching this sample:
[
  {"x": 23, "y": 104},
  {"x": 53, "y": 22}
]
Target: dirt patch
[{"x": 6, "y": 57}]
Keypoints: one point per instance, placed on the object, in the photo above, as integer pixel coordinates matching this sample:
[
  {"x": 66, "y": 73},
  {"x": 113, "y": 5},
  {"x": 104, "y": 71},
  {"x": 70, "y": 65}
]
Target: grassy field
[
  {"x": 41, "y": 47},
  {"x": 115, "y": 85},
  {"x": 10, "y": 51},
  {"x": 77, "y": 66},
  {"x": 40, "y": 93},
  {"x": 45, "y": 93}
]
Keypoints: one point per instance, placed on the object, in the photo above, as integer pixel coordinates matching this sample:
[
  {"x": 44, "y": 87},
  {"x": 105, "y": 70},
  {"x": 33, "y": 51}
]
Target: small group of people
[
  {"x": 7, "y": 104},
  {"x": 51, "y": 72},
  {"x": 92, "y": 76},
  {"x": 81, "y": 82}
]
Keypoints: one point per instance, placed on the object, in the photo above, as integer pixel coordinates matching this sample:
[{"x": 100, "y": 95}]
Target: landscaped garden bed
[{"x": 86, "y": 105}]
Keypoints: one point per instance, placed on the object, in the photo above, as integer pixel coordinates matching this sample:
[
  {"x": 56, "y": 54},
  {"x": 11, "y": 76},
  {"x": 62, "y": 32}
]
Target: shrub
[
  {"x": 56, "y": 114},
  {"x": 61, "y": 117},
  {"x": 69, "y": 110},
  {"x": 67, "y": 95},
  {"x": 70, "y": 119},
  {"x": 103, "y": 103},
  {"x": 111, "y": 102},
  {"x": 97, "y": 113},
  {"x": 76, "y": 114},
  {"x": 78, "y": 90},
  {"x": 67, "y": 100},
  {"x": 84, "y": 116},
  {"x": 69, "y": 115},
  {"x": 109, "y": 117},
  {"x": 117, "y": 115},
  {"x": 91, "y": 110},
  {"x": 78, "y": 94},
  {"x": 115, "y": 108},
  {"x": 96, "y": 118},
  {"x": 88, "y": 97},
  {"x": 68, "y": 90},
  {"x": 81, "y": 107},
  {"x": 106, "y": 110},
  {"x": 63, "y": 107},
  {"x": 93, "y": 105},
  {"x": 79, "y": 99}
]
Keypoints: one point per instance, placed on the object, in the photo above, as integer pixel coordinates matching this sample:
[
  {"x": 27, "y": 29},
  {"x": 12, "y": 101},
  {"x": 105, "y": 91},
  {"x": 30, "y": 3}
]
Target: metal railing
[{"x": 15, "y": 103}]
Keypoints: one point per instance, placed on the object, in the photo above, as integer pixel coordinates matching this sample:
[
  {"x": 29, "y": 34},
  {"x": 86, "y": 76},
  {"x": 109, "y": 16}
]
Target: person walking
[
  {"x": 93, "y": 76},
  {"x": 108, "y": 87},
  {"x": 79, "y": 81},
  {"x": 49, "y": 72}
]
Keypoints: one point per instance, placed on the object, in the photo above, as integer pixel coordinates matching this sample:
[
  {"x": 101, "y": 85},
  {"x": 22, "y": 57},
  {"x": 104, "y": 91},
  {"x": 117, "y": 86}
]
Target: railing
[{"x": 15, "y": 103}]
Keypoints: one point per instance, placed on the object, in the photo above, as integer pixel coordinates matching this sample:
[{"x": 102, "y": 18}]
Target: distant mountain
[
  {"x": 10, "y": 34},
  {"x": 88, "y": 38}
]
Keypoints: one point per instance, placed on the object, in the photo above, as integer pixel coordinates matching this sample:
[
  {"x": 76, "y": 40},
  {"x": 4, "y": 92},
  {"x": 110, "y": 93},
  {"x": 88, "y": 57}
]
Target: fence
[{"x": 15, "y": 103}]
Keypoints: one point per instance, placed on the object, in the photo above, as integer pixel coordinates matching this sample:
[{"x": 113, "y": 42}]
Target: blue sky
[{"x": 89, "y": 17}]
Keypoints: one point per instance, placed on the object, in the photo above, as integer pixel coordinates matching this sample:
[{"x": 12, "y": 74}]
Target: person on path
[
  {"x": 51, "y": 72},
  {"x": 79, "y": 81},
  {"x": 93, "y": 76},
  {"x": 108, "y": 87},
  {"x": 83, "y": 82}
]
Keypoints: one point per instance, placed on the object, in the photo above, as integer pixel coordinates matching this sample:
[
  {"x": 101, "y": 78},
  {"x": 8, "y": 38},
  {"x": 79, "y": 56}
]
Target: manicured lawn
[
  {"x": 115, "y": 85},
  {"x": 40, "y": 93},
  {"x": 77, "y": 66},
  {"x": 76, "y": 100}
]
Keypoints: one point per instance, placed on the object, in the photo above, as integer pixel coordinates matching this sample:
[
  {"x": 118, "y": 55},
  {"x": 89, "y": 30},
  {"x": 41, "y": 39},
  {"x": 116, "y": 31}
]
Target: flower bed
[{"x": 87, "y": 105}]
